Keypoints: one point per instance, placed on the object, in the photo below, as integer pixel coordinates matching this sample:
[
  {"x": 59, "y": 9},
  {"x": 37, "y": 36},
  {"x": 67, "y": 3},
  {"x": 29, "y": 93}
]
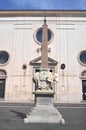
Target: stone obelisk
[
  {"x": 44, "y": 46},
  {"x": 44, "y": 110}
]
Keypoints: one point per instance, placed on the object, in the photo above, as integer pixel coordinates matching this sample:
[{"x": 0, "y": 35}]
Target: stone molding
[{"x": 42, "y": 13}]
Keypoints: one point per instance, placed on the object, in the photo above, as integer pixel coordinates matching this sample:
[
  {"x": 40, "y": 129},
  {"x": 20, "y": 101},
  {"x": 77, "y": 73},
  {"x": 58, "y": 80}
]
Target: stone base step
[{"x": 44, "y": 115}]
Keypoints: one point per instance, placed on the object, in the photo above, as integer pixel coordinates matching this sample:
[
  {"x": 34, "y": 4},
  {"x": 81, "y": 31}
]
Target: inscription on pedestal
[{"x": 44, "y": 100}]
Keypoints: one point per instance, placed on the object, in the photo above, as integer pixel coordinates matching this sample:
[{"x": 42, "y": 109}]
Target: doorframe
[
  {"x": 3, "y": 76},
  {"x": 3, "y": 92},
  {"x": 82, "y": 90}
]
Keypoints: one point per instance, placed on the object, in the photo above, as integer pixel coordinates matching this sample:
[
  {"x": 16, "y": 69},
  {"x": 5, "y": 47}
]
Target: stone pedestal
[{"x": 44, "y": 111}]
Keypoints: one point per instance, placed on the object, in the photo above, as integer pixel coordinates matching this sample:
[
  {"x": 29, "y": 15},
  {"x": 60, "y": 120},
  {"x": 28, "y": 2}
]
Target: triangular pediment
[{"x": 37, "y": 62}]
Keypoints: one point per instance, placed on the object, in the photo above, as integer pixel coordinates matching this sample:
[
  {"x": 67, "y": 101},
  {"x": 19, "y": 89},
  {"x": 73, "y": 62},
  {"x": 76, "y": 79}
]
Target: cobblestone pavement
[{"x": 12, "y": 115}]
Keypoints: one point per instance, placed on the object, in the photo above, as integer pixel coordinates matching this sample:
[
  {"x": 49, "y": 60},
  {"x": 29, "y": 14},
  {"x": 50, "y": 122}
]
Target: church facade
[{"x": 20, "y": 54}]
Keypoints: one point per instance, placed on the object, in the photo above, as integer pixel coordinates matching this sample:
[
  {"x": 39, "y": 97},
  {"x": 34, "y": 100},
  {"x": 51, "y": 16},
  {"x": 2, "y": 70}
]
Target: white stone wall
[{"x": 16, "y": 37}]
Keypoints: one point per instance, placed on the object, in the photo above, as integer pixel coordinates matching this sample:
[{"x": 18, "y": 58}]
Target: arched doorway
[
  {"x": 3, "y": 76},
  {"x": 83, "y": 77}
]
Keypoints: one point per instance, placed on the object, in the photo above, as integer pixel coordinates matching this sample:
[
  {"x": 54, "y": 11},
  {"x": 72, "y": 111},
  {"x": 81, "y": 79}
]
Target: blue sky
[{"x": 42, "y": 4}]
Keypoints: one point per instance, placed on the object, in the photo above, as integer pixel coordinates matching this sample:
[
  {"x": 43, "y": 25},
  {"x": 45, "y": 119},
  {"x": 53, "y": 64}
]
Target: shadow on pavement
[{"x": 19, "y": 114}]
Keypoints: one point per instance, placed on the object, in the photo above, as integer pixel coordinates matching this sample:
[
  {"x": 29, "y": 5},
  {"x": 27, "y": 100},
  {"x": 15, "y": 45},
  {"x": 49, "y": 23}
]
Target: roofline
[{"x": 42, "y": 13}]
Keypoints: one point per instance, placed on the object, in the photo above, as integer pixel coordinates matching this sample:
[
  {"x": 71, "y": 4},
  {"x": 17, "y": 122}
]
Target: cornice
[{"x": 42, "y": 13}]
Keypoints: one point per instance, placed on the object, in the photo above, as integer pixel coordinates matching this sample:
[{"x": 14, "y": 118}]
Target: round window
[
  {"x": 38, "y": 36},
  {"x": 82, "y": 57},
  {"x": 4, "y": 57}
]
